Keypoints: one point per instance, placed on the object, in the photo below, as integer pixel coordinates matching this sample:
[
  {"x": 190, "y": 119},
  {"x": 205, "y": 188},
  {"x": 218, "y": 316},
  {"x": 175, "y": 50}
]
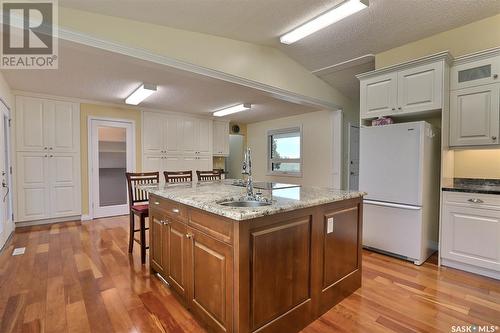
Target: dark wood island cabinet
[{"x": 272, "y": 273}]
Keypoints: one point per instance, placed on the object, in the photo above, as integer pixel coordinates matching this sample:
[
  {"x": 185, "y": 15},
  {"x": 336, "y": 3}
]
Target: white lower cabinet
[
  {"x": 470, "y": 232},
  {"x": 48, "y": 185}
]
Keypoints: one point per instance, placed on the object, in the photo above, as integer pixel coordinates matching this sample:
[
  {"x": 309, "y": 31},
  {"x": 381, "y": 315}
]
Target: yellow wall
[
  {"x": 476, "y": 36},
  {"x": 477, "y": 163},
  {"x": 87, "y": 110}
]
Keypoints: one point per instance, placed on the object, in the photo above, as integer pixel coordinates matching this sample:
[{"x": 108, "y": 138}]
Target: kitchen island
[{"x": 274, "y": 268}]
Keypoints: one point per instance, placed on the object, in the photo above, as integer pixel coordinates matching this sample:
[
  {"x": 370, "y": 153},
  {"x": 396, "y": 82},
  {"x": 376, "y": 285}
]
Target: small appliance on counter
[{"x": 399, "y": 169}]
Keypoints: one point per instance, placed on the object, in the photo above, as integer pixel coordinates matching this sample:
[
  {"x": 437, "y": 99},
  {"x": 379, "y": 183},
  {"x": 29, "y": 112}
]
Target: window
[{"x": 285, "y": 151}]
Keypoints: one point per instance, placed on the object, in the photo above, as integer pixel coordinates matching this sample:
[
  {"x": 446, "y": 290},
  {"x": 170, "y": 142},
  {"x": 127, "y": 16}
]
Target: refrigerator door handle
[{"x": 392, "y": 205}]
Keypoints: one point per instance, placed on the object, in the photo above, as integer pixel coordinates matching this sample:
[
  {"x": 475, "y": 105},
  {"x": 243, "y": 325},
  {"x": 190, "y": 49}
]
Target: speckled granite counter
[
  {"x": 472, "y": 185},
  {"x": 207, "y": 196}
]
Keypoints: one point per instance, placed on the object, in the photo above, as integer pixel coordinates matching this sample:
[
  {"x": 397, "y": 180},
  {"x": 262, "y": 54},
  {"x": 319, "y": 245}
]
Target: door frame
[
  {"x": 337, "y": 133},
  {"x": 6, "y": 111},
  {"x": 349, "y": 126},
  {"x": 130, "y": 146}
]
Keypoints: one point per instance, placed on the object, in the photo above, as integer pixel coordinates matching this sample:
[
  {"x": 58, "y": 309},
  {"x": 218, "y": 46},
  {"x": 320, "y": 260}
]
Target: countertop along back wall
[
  {"x": 473, "y": 37},
  {"x": 87, "y": 110}
]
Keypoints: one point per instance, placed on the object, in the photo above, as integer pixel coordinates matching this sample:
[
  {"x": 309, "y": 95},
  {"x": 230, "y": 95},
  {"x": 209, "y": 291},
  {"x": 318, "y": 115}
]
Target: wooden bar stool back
[
  {"x": 178, "y": 176},
  {"x": 139, "y": 206},
  {"x": 208, "y": 175}
]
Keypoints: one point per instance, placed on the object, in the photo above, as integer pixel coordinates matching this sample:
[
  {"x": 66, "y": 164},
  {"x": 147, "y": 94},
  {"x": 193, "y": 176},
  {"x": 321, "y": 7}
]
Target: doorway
[
  {"x": 353, "y": 157},
  {"x": 111, "y": 152},
  {"x": 235, "y": 159},
  {"x": 6, "y": 222}
]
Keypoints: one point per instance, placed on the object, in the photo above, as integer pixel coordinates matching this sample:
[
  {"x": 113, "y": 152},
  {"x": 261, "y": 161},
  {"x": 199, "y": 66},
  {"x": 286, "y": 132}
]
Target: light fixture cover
[
  {"x": 336, "y": 14},
  {"x": 140, "y": 94},
  {"x": 232, "y": 109}
]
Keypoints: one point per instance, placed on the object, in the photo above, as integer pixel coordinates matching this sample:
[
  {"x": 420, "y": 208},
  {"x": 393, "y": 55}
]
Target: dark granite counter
[{"x": 472, "y": 185}]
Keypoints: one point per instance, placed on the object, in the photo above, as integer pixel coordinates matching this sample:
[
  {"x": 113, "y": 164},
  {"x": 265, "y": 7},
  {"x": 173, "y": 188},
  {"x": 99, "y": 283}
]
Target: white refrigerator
[{"x": 399, "y": 169}]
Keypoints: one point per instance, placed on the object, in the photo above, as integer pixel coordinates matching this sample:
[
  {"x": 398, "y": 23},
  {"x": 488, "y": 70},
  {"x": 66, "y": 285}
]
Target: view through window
[{"x": 285, "y": 151}]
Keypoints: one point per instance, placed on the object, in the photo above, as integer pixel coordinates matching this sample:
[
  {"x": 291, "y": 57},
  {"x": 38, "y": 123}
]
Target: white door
[
  {"x": 30, "y": 124},
  {"x": 390, "y": 163},
  {"x": 32, "y": 173},
  {"x": 353, "y": 158},
  {"x": 420, "y": 88},
  {"x": 474, "y": 116},
  {"x": 6, "y": 223},
  {"x": 62, "y": 126},
  {"x": 112, "y": 153},
  {"x": 378, "y": 95}
]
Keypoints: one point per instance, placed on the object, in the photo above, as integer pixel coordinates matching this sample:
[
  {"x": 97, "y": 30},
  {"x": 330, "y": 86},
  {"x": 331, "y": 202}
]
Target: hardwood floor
[{"x": 78, "y": 277}]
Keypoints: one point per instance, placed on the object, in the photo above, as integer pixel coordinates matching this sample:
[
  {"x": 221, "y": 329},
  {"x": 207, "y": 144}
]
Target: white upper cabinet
[
  {"x": 173, "y": 135},
  {"x": 197, "y": 136},
  {"x": 476, "y": 69},
  {"x": 475, "y": 116},
  {"x": 153, "y": 128},
  {"x": 47, "y": 125},
  {"x": 221, "y": 138},
  {"x": 407, "y": 89},
  {"x": 205, "y": 136},
  {"x": 420, "y": 88},
  {"x": 475, "y": 100},
  {"x": 378, "y": 95}
]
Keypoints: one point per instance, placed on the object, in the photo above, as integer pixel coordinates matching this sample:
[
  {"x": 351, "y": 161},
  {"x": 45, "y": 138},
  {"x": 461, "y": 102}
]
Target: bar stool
[
  {"x": 138, "y": 206},
  {"x": 208, "y": 175},
  {"x": 178, "y": 176}
]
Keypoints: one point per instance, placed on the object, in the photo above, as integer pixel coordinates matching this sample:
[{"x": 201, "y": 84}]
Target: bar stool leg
[
  {"x": 131, "y": 237},
  {"x": 143, "y": 239}
]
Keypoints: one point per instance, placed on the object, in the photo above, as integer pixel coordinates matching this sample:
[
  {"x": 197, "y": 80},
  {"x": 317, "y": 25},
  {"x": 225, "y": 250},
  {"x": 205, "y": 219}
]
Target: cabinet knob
[
  {"x": 51, "y": 156},
  {"x": 393, "y": 109},
  {"x": 157, "y": 202},
  {"x": 189, "y": 236},
  {"x": 475, "y": 200},
  {"x": 45, "y": 148},
  {"x": 493, "y": 138},
  {"x": 399, "y": 108},
  {"x": 46, "y": 155},
  {"x": 495, "y": 76},
  {"x": 175, "y": 210}
]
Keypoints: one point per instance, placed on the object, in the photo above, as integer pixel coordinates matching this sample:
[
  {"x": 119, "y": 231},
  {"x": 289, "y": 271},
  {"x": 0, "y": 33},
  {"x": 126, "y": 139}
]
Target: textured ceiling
[
  {"x": 384, "y": 25},
  {"x": 89, "y": 73}
]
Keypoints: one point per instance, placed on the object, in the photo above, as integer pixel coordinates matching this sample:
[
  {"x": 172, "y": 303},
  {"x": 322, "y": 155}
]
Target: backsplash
[{"x": 477, "y": 163}]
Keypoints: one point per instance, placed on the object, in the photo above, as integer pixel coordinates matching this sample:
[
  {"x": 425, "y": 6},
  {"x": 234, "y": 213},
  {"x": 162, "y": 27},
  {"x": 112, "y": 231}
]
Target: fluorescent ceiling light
[
  {"x": 143, "y": 92},
  {"x": 336, "y": 14},
  {"x": 232, "y": 109}
]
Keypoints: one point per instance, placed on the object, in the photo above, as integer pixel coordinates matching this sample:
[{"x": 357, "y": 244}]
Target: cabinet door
[
  {"x": 475, "y": 73},
  {"x": 64, "y": 170},
  {"x": 175, "y": 163},
  {"x": 204, "y": 163},
  {"x": 32, "y": 186},
  {"x": 205, "y": 136},
  {"x": 471, "y": 235},
  {"x": 153, "y": 163},
  {"x": 175, "y": 256},
  {"x": 220, "y": 138},
  {"x": 190, "y": 135},
  {"x": 30, "y": 120},
  {"x": 420, "y": 88},
  {"x": 378, "y": 95},
  {"x": 210, "y": 294},
  {"x": 173, "y": 135},
  {"x": 62, "y": 126},
  {"x": 157, "y": 238},
  {"x": 153, "y": 128},
  {"x": 474, "y": 116}
]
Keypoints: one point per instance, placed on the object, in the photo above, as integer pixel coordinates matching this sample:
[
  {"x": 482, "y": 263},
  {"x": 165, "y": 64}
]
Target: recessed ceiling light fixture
[
  {"x": 232, "y": 109},
  {"x": 141, "y": 93},
  {"x": 336, "y": 14}
]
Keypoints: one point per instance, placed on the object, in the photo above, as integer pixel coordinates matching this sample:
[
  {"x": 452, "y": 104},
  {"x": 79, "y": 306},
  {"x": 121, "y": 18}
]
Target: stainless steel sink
[{"x": 245, "y": 203}]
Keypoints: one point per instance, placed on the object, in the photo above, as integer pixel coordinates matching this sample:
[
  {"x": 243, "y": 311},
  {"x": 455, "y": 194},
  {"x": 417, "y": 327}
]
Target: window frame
[{"x": 270, "y": 160}]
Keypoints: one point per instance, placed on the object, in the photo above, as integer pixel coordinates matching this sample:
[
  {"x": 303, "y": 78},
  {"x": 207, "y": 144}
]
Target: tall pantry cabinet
[{"x": 47, "y": 149}]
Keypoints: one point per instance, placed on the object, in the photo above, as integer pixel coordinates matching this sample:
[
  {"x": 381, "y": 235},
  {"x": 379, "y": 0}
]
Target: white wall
[{"x": 317, "y": 148}]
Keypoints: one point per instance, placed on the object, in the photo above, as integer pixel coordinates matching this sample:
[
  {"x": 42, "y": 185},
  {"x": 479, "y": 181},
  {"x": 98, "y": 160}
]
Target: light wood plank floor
[{"x": 78, "y": 277}]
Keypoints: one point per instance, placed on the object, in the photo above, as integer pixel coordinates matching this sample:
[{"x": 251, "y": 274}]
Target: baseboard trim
[
  {"x": 6, "y": 244},
  {"x": 48, "y": 221},
  {"x": 86, "y": 217},
  {"x": 470, "y": 268}
]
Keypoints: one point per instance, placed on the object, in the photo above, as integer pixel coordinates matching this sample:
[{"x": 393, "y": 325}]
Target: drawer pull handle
[
  {"x": 189, "y": 236},
  {"x": 175, "y": 210},
  {"x": 475, "y": 200},
  {"x": 157, "y": 202}
]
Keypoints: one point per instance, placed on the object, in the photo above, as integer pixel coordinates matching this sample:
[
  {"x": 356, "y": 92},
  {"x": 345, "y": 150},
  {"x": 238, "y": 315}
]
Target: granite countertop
[
  {"x": 207, "y": 196},
  {"x": 472, "y": 185}
]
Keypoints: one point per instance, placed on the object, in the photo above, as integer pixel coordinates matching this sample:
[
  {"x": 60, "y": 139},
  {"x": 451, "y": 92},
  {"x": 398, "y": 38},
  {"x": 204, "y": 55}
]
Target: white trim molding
[{"x": 337, "y": 125}]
